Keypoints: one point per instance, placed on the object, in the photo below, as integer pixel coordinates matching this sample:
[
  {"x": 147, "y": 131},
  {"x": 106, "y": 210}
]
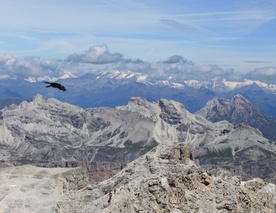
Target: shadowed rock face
[{"x": 169, "y": 113}]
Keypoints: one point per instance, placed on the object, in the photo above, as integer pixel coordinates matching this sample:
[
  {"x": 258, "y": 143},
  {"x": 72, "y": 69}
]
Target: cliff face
[
  {"x": 167, "y": 180},
  {"x": 99, "y": 171},
  {"x": 164, "y": 180}
]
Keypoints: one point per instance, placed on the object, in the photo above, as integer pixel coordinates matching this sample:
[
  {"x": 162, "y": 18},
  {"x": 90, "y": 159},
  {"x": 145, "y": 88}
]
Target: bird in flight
[{"x": 55, "y": 85}]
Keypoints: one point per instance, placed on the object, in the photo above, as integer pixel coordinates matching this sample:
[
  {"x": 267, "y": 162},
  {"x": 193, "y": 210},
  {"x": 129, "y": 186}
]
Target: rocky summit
[{"x": 166, "y": 179}]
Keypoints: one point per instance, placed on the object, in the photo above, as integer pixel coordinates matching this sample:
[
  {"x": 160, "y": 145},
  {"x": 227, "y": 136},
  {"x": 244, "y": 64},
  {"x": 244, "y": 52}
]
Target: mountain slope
[
  {"x": 49, "y": 132},
  {"x": 239, "y": 110}
]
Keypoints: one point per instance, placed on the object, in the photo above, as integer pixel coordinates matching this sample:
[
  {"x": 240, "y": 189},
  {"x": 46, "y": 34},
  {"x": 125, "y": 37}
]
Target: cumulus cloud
[
  {"x": 266, "y": 74},
  {"x": 136, "y": 65},
  {"x": 5, "y": 60},
  {"x": 98, "y": 54},
  {"x": 181, "y": 68},
  {"x": 98, "y": 58},
  {"x": 176, "y": 66},
  {"x": 48, "y": 64},
  {"x": 26, "y": 66},
  {"x": 131, "y": 61},
  {"x": 178, "y": 59}
]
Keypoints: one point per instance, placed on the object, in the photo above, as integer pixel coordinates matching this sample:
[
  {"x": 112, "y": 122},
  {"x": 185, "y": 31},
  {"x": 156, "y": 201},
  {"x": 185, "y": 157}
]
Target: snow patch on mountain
[
  {"x": 119, "y": 75},
  {"x": 65, "y": 75},
  {"x": 196, "y": 83},
  {"x": 139, "y": 77},
  {"x": 4, "y": 76},
  {"x": 142, "y": 78},
  {"x": 236, "y": 84}
]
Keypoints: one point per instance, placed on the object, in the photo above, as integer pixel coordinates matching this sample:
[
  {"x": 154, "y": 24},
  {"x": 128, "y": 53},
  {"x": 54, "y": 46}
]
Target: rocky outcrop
[
  {"x": 99, "y": 171},
  {"x": 164, "y": 180},
  {"x": 161, "y": 182}
]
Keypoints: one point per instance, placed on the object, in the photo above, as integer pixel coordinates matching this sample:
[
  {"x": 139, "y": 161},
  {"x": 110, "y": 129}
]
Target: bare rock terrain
[
  {"x": 26, "y": 189},
  {"x": 50, "y": 133},
  {"x": 164, "y": 180}
]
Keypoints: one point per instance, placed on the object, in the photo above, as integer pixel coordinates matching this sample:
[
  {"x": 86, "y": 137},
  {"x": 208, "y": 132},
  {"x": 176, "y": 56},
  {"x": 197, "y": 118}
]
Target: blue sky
[{"x": 238, "y": 34}]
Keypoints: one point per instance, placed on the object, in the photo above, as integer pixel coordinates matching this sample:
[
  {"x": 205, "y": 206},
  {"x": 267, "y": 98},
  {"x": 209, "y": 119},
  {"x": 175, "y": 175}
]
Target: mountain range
[
  {"x": 170, "y": 136},
  {"x": 53, "y": 133},
  {"x": 115, "y": 88}
]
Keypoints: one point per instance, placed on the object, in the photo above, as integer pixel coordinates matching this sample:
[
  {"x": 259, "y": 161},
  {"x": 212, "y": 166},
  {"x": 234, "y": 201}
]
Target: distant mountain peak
[
  {"x": 239, "y": 110},
  {"x": 67, "y": 74}
]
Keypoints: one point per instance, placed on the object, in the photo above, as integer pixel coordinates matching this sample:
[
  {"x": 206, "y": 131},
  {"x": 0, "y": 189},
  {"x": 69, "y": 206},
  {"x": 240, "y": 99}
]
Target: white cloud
[
  {"x": 266, "y": 74},
  {"x": 178, "y": 59},
  {"x": 98, "y": 58},
  {"x": 6, "y": 59},
  {"x": 264, "y": 71},
  {"x": 98, "y": 54},
  {"x": 26, "y": 66},
  {"x": 144, "y": 29}
]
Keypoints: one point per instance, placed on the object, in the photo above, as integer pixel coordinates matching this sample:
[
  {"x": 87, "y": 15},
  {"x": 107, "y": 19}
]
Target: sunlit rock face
[
  {"x": 47, "y": 132},
  {"x": 165, "y": 180}
]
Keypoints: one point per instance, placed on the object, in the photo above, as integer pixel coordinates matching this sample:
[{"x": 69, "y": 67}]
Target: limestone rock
[{"x": 160, "y": 182}]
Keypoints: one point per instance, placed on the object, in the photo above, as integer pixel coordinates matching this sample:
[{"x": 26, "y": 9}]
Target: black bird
[{"x": 55, "y": 85}]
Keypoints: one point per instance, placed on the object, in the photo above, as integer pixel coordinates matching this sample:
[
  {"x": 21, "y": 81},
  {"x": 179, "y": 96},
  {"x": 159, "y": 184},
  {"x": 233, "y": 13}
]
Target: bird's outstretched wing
[
  {"x": 55, "y": 85},
  {"x": 46, "y": 82}
]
